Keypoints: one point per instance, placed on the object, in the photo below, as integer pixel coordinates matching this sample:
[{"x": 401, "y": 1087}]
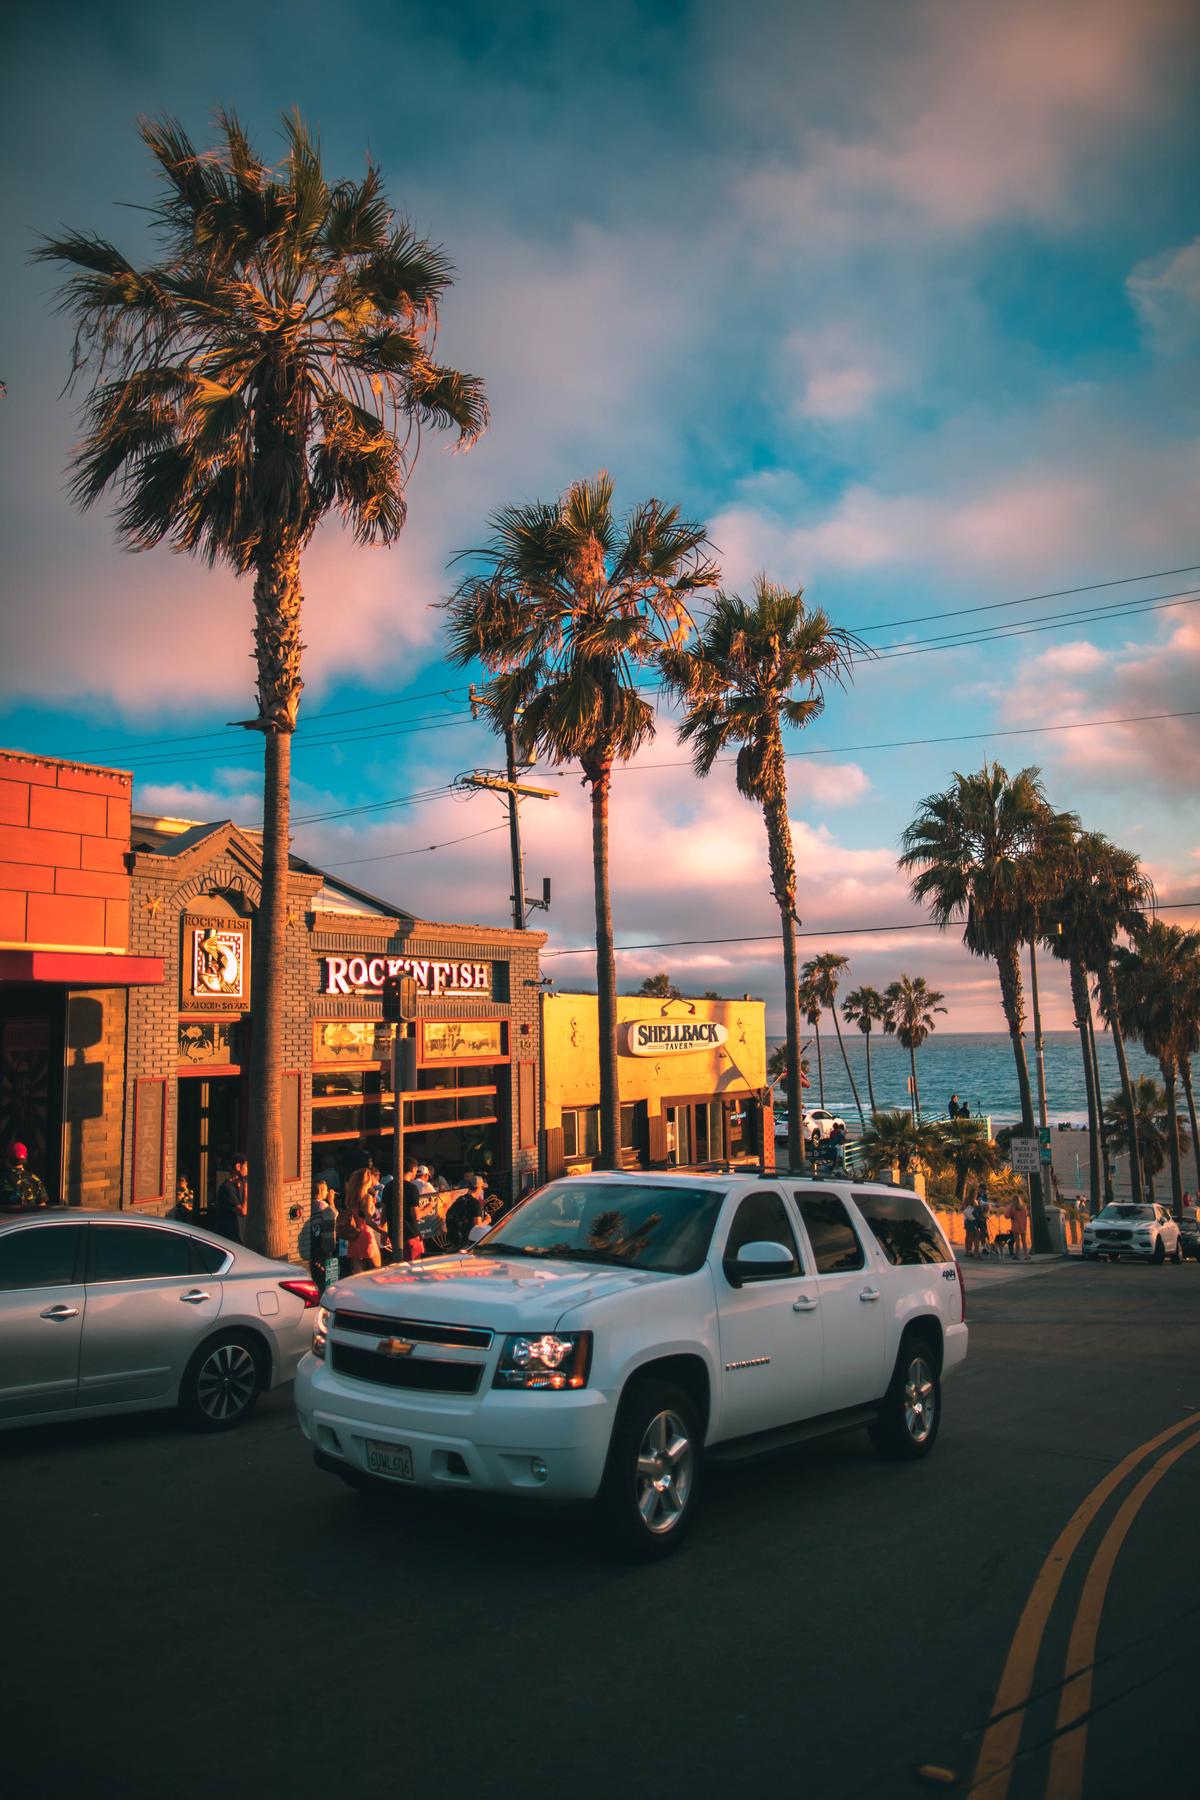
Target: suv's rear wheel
[
  {"x": 911, "y": 1412},
  {"x": 651, "y": 1483}
]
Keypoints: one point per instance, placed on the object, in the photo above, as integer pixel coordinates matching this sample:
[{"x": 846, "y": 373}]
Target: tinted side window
[
  {"x": 903, "y": 1228},
  {"x": 136, "y": 1252},
  {"x": 762, "y": 1219},
  {"x": 206, "y": 1258},
  {"x": 833, "y": 1238},
  {"x": 39, "y": 1256}
]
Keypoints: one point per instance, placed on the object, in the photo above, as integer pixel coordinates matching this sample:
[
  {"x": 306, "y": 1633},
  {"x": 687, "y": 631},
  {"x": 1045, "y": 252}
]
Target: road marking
[
  {"x": 1002, "y": 1739},
  {"x": 1065, "y": 1780}
]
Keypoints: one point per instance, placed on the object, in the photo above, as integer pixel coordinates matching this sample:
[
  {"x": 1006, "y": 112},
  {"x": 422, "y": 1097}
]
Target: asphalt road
[{"x": 212, "y": 1617}]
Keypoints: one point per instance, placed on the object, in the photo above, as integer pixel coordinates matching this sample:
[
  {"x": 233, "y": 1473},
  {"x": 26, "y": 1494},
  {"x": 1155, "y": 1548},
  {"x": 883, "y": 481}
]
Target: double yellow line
[{"x": 1002, "y": 1739}]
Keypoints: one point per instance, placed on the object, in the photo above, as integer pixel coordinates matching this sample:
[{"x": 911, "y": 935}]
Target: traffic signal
[{"x": 399, "y": 999}]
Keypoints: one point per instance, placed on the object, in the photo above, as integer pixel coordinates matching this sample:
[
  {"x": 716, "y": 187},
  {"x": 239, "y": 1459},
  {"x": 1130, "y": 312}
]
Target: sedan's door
[
  {"x": 770, "y": 1326},
  {"x": 146, "y": 1313},
  {"x": 41, "y": 1317},
  {"x": 853, "y": 1312}
]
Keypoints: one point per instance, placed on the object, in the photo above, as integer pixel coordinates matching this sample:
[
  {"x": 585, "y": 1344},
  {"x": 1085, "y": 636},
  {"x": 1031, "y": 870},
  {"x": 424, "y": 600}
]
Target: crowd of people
[
  {"x": 826, "y": 1151},
  {"x": 354, "y": 1228}
]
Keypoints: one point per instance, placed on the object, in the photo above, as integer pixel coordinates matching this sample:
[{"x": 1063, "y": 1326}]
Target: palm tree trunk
[
  {"x": 1081, "y": 1003},
  {"x": 606, "y": 974},
  {"x": 1185, "y": 1070},
  {"x": 916, "y": 1092},
  {"x": 277, "y": 604},
  {"x": 1009, "y": 965},
  {"x": 783, "y": 885},
  {"x": 820, "y": 1059},
  {"x": 1168, "y": 1075},
  {"x": 1108, "y": 1000},
  {"x": 1101, "y": 1127},
  {"x": 870, "y": 1083},
  {"x": 849, "y": 1071}
]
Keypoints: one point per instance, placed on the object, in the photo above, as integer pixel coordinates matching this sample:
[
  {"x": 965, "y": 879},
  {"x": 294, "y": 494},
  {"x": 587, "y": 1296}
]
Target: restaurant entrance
[{"x": 208, "y": 1135}]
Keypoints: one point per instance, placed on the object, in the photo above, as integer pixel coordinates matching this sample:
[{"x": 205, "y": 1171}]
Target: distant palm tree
[
  {"x": 659, "y": 987},
  {"x": 1120, "y": 897},
  {"x": 274, "y": 366},
  {"x": 1150, "y": 1127},
  {"x": 572, "y": 606},
  {"x": 808, "y": 996},
  {"x": 864, "y": 1007},
  {"x": 757, "y": 666},
  {"x": 973, "y": 849},
  {"x": 1152, "y": 982},
  {"x": 896, "y": 1140},
  {"x": 909, "y": 1008},
  {"x": 966, "y": 1146},
  {"x": 826, "y": 971}
]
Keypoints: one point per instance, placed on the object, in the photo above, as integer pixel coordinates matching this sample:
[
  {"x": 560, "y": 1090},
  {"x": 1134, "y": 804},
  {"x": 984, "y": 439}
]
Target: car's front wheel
[
  {"x": 652, "y": 1479},
  {"x": 911, "y": 1412},
  {"x": 222, "y": 1382},
  {"x": 1160, "y": 1251}
]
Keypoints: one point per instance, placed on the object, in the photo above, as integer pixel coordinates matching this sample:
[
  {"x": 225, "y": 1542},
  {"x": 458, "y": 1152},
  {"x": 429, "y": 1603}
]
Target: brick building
[
  {"x": 66, "y": 971},
  {"x": 195, "y": 891}
]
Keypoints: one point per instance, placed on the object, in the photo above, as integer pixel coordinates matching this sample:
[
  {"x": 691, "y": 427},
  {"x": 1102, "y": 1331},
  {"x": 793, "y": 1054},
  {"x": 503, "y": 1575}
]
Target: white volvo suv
[{"x": 615, "y": 1329}]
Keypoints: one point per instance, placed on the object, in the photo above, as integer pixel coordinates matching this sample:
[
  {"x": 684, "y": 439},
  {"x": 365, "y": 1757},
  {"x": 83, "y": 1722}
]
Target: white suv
[
  {"x": 616, "y": 1328},
  {"x": 1148, "y": 1233}
]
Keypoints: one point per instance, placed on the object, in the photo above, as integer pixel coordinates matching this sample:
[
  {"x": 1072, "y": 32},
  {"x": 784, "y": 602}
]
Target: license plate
[{"x": 390, "y": 1459}]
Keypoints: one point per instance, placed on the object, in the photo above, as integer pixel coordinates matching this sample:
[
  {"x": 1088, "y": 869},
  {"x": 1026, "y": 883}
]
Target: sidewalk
[{"x": 992, "y": 1271}]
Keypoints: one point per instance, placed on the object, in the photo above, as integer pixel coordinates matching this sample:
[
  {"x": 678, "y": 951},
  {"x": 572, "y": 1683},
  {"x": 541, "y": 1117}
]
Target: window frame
[{"x": 863, "y": 1200}]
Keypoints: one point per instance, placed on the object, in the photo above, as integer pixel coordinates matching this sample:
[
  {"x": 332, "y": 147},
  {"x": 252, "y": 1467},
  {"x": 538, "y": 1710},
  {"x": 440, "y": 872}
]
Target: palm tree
[
  {"x": 276, "y": 364},
  {"x": 909, "y": 1006},
  {"x": 826, "y": 971},
  {"x": 570, "y": 607},
  {"x": 777, "y": 1067},
  {"x": 809, "y": 1001},
  {"x": 659, "y": 987},
  {"x": 973, "y": 848},
  {"x": 895, "y": 1140},
  {"x": 1191, "y": 1041},
  {"x": 1068, "y": 925},
  {"x": 965, "y": 1145},
  {"x": 864, "y": 1008},
  {"x": 1105, "y": 894},
  {"x": 1149, "y": 1127},
  {"x": 1152, "y": 985},
  {"x": 759, "y": 665}
]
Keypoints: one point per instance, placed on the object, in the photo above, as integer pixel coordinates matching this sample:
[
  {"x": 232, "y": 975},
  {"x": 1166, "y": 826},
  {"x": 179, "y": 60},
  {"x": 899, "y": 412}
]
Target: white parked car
[
  {"x": 104, "y": 1312},
  {"x": 1148, "y": 1233},
  {"x": 818, "y": 1116},
  {"x": 615, "y": 1328}
]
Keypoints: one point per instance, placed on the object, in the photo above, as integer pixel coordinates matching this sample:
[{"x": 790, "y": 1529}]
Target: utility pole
[{"x": 509, "y": 784}]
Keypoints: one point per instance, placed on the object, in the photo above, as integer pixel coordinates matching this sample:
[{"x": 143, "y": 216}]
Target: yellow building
[{"x": 692, "y": 1077}]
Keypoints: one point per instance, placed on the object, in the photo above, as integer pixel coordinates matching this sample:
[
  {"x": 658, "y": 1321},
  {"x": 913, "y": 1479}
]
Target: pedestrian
[
  {"x": 982, "y": 1216},
  {"x": 22, "y": 1188},
  {"x": 964, "y": 1111},
  {"x": 1018, "y": 1218},
  {"x": 837, "y": 1143},
  {"x": 322, "y": 1234},
  {"x": 469, "y": 1210},
  {"x": 970, "y": 1229},
  {"x": 355, "y": 1222},
  {"x": 412, "y": 1243},
  {"x": 185, "y": 1202},
  {"x": 232, "y": 1202},
  {"x": 952, "y": 1109},
  {"x": 331, "y": 1175}
]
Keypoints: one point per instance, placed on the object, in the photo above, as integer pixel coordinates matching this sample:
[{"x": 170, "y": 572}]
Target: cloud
[
  {"x": 1165, "y": 291},
  {"x": 839, "y": 375}
]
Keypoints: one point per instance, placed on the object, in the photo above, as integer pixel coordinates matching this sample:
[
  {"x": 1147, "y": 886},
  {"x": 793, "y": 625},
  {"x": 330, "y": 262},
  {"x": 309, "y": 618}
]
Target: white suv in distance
[
  {"x": 1148, "y": 1233},
  {"x": 614, "y": 1329}
]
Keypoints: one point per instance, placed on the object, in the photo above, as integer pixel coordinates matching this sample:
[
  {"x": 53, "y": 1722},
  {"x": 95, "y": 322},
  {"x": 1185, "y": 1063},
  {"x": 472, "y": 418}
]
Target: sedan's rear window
[
  {"x": 903, "y": 1228},
  {"x": 638, "y": 1225}
]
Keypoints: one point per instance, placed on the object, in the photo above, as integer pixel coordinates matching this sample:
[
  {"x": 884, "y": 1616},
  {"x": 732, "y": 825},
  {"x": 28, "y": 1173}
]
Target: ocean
[{"x": 977, "y": 1066}]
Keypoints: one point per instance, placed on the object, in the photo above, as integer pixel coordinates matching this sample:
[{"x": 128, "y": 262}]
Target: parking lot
[{"x": 188, "y": 1615}]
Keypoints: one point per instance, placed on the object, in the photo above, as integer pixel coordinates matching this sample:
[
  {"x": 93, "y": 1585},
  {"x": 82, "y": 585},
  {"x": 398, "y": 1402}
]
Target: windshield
[
  {"x": 636, "y": 1225},
  {"x": 1128, "y": 1212}
]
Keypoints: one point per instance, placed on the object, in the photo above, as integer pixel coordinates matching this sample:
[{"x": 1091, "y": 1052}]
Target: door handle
[
  {"x": 195, "y": 1296},
  {"x": 869, "y": 1294},
  {"x": 804, "y": 1304},
  {"x": 59, "y": 1313}
]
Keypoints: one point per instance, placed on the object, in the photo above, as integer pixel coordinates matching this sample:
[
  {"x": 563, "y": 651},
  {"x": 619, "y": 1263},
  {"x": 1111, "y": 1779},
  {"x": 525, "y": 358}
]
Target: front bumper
[{"x": 493, "y": 1443}]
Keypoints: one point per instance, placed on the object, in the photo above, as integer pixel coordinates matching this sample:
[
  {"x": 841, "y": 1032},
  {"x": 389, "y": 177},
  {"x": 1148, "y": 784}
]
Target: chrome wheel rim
[
  {"x": 226, "y": 1382},
  {"x": 665, "y": 1468},
  {"x": 920, "y": 1401}
]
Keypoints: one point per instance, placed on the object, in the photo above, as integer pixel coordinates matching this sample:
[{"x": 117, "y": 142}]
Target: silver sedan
[{"x": 105, "y": 1312}]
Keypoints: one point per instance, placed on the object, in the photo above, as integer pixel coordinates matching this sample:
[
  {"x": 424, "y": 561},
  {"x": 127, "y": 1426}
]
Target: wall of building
[{"x": 64, "y": 834}]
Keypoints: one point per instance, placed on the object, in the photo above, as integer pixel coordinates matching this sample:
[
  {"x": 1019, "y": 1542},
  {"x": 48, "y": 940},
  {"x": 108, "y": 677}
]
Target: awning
[{"x": 81, "y": 968}]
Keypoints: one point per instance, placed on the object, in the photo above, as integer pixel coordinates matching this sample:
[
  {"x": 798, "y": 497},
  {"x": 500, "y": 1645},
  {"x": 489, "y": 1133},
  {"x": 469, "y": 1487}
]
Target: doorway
[{"x": 208, "y": 1135}]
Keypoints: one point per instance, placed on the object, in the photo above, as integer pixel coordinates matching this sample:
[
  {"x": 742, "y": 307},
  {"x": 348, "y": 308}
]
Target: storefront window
[
  {"x": 339, "y": 1041},
  {"x": 581, "y": 1132},
  {"x": 453, "y": 1039}
]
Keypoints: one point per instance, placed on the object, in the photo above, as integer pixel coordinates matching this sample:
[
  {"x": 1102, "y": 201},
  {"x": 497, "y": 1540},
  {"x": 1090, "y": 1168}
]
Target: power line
[
  {"x": 959, "y": 612},
  {"x": 1051, "y": 622},
  {"x": 831, "y": 931},
  {"x": 422, "y": 850},
  {"x": 344, "y": 812}
]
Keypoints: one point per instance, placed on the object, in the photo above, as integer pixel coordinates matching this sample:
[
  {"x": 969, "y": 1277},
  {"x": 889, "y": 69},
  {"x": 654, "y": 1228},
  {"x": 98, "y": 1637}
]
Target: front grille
[
  {"x": 422, "y": 1372},
  {"x": 1107, "y": 1231},
  {"x": 466, "y": 1337}
]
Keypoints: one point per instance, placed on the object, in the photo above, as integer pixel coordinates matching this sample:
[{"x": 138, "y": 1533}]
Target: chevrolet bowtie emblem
[{"x": 395, "y": 1347}]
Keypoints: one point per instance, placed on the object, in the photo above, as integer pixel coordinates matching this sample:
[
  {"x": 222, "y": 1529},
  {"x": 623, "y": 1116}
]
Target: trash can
[{"x": 1058, "y": 1231}]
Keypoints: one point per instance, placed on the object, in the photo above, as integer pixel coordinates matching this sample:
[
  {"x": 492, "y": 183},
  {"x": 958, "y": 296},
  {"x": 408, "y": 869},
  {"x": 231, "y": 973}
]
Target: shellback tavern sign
[
  {"x": 365, "y": 975},
  {"x": 653, "y": 1037}
]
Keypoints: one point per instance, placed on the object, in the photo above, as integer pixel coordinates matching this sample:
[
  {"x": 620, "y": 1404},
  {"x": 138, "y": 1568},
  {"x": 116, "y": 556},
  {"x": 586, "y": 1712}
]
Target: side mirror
[{"x": 757, "y": 1261}]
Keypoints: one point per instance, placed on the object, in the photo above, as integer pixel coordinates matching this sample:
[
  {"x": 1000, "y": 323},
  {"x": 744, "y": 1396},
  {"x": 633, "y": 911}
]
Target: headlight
[
  {"x": 547, "y": 1361},
  {"x": 321, "y": 1331}
]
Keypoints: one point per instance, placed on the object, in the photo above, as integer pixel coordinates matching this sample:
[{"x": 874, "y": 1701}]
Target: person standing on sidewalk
[
  {"x": 232, "y": 1202},
  {"x": 1018, "y": 1215}
]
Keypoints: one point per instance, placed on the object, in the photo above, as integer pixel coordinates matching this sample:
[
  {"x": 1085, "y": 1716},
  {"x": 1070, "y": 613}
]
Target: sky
[{"x": 902, "y": 300}]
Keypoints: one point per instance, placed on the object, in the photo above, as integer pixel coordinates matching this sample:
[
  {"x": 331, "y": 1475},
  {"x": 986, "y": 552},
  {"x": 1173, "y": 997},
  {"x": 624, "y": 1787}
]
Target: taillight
[
  {"x": 308, "y": 1291},
  {"x": 962, "y": 1293}
]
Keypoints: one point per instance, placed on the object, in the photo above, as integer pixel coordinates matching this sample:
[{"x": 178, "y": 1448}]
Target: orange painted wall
[{"x": 64, "y": 838}]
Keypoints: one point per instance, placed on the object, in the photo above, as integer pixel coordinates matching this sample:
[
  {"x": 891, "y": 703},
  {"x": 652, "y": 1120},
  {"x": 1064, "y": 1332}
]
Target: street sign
[
  {"x": 1023, "y": 1156},
  {"x": 1047, "y": 1153}
]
